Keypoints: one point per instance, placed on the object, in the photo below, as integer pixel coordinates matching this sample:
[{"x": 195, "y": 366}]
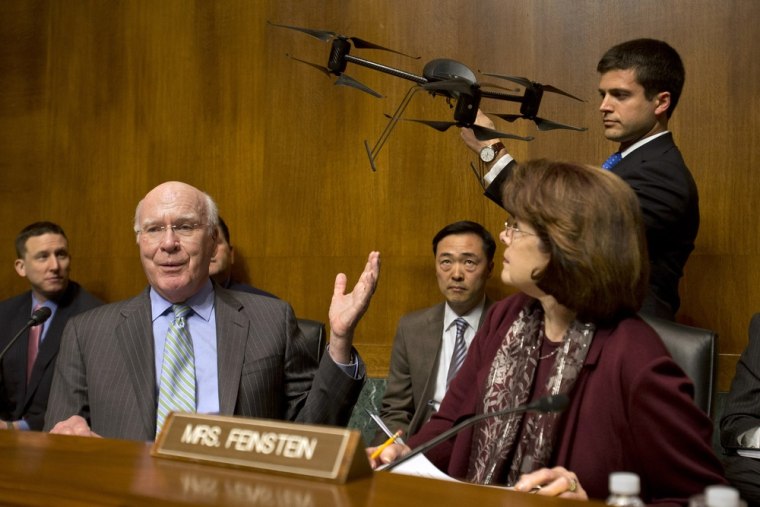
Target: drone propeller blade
[
  {"x": 349, "y": 81},
  {"x": 484, "y": 134},
  {"x": 522, "y": 81},
  {"x": 550, "y": 88},
  {"x": 509, "y": 117},
  {"x": 323, "y": 35},
  {"x": 320, "y": 68},
  {"x": 544, "y": 124},
  {"x": 363, "y": 44},
  {"x": 440, "y": 126},
  {"x": 327, "y": 35},
  {"x": 493, "y": 85},
  {"x": 481, "y": 133}
]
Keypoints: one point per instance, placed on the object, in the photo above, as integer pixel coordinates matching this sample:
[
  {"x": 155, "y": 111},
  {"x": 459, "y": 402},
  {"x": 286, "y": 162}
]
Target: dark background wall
[{"x": 102, "y": 100}]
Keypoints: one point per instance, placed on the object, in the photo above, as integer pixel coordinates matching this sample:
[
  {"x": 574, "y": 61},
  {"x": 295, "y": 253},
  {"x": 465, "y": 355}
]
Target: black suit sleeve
[{"x": 742, "y": 411}]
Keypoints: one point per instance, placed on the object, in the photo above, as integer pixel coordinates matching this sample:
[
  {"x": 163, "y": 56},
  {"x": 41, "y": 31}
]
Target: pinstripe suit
[{"x": 106, "y": 369}]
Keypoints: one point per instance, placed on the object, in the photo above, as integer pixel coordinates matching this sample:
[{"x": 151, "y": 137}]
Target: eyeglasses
[
  {"x": 512, "y": 231},
  {"x": 156, "y": 232}
]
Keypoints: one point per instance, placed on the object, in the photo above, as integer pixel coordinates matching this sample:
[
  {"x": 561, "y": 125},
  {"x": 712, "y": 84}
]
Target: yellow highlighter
[{"x": 385, "y": 444}]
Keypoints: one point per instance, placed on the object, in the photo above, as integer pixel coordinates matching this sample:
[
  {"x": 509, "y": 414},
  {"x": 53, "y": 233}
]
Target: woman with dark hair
[{"x": 576, "y": 251}]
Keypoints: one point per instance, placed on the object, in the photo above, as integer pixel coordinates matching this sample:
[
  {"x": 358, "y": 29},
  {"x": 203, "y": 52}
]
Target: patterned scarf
[{"x": 520, "y": 443}]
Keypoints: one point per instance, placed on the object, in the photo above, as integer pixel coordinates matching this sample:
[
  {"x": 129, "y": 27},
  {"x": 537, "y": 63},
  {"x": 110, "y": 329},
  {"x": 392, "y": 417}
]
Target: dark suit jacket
[
  {"x": 670, "y": 206},
  {"x": 106, "y": 369},
  {"x": 413, "y": 369},
  {"x": 742, "y": 411},
  {"x": 17, "y": 400},
  {"x": 631, "y": 409}
]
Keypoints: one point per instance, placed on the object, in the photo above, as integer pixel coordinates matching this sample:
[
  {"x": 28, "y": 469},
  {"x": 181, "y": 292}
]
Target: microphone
[
  {"x": 551, "y": 403},
  {"x": 39, "y": 316}
]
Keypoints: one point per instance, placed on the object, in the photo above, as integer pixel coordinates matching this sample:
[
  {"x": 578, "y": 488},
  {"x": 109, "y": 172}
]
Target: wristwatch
[{"x": 488, "y": 153}]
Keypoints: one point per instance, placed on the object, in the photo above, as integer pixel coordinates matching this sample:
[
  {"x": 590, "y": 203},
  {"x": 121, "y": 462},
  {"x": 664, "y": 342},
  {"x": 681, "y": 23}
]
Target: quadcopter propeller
[
  {"x": 327, "y": 36},
  {"x": 343, "y": 79},
  {"x": 542, "y": 123},
  {"x": 482, "y": 133},
  {"x": 531, "y": 84}
]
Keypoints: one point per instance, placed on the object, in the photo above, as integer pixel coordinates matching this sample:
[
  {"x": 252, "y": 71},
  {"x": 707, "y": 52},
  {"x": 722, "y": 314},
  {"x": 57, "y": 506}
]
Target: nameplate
[{"x": 305, "y": 450}]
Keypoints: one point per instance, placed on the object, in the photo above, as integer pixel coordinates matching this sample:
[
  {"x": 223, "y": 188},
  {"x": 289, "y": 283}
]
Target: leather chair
[
  {"x": 695, "y": 350},
  {"x": 314, "y": 331}
]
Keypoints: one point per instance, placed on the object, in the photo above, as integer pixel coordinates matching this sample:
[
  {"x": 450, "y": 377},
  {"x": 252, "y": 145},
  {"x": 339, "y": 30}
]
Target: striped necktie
[
  {"x": 35, "y": 333},
  {"x": 612, "y": 160},
  {"x": 177, "y": 384},
  {"x": 460, "y": 350}
]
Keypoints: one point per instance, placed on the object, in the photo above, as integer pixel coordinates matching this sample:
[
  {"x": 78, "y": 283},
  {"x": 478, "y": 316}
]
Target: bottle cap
[
  {"x": 721, "y": 496},
  {"x": 624, "y": 483}
]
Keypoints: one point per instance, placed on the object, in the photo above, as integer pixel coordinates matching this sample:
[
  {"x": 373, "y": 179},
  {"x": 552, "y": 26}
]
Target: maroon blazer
[{"x": 631, "y": 410}]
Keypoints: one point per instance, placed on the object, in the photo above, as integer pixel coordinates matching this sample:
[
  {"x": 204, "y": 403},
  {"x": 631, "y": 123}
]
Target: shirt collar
[
  {"x": 472, "y": 317},
  {"x": 202, "y": 302},
  {"x": 49, "y": 303},
  {"x": 642, "y": 142}
]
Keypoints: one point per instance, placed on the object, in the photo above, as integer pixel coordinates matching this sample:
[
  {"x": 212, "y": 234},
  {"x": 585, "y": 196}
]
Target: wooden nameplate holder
[{"x": 325, "y": 453}]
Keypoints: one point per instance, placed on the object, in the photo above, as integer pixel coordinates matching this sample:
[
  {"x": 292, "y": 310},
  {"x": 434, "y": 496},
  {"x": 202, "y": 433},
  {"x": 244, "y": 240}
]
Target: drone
[{"x": 445, "y": 77}]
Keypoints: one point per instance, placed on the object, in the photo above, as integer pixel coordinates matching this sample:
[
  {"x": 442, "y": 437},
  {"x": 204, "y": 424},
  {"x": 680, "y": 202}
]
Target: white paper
[
  {"x": 746, "y": 452},
  {"x": 421, "y": 467}
]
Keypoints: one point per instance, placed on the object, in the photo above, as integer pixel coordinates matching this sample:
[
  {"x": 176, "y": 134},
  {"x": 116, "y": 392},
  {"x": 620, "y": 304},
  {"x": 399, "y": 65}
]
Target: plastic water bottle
[
  {"x": 717, "y": 496},
  {"x": 624, "y": 490}
]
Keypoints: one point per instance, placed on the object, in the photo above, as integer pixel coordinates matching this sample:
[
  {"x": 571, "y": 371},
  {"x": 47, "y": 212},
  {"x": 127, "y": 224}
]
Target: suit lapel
[
  {"x": 426, "y": 363},
  {"x": 652, "y": 149},
  {"x": 231, "y": 337},
  {"x": 134, "y": 336}
]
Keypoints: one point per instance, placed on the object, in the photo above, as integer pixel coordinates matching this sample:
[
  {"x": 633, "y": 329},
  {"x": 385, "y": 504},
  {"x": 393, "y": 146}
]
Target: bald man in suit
[{"x": 250, "y": 358}]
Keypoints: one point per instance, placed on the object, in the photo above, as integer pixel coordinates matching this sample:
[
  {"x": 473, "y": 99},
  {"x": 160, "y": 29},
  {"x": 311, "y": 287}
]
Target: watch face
[{"x": 487, "y": 154}]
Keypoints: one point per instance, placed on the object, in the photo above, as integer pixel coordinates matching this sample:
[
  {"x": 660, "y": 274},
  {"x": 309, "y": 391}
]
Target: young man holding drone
[{"x": 640, "y": 84}]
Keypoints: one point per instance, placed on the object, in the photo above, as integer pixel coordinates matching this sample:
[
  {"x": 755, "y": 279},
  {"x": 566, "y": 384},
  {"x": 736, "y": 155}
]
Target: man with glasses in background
[{"x": 185, "y": 345}]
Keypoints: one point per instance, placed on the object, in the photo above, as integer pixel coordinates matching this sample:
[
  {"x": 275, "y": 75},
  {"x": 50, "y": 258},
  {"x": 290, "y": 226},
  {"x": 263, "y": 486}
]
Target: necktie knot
[
  {"x": 461, "y": 325},
  {"x": 612, "y": 160},
  {"x": 180, "y": 311}
]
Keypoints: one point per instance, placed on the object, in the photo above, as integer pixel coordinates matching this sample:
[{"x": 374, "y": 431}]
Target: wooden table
[{"x": 53, "y": 470}]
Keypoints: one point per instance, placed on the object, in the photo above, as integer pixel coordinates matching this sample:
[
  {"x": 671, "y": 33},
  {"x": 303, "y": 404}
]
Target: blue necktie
[
  {"x": 612, "y": 161},
  {"x": 177, "y": 385},
  {"x": 460, "y": 350}
]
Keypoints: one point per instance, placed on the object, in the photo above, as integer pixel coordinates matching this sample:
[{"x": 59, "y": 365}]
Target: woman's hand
[
  {"x": 389, "y": 454},
  {"x": 557, "y": 481}
]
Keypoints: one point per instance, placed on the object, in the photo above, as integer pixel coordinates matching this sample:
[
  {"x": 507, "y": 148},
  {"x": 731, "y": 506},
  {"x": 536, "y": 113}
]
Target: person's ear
[
  {"x": 662, "y": 103},
  {"x": 20, "y": 267}
]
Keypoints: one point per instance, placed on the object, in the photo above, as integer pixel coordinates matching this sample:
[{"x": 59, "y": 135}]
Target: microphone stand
[
  {"x": 552, "y": 403},
  {"x": 38, "y": 317}
]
